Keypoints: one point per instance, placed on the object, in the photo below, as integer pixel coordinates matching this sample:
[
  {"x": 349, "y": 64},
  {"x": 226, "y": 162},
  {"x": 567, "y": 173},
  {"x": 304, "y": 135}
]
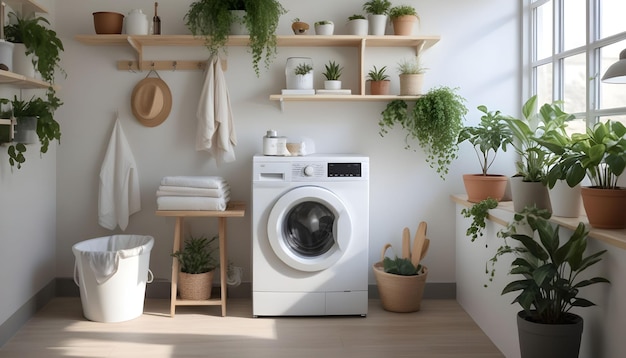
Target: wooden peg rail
[{"x": 168, "y": 65}]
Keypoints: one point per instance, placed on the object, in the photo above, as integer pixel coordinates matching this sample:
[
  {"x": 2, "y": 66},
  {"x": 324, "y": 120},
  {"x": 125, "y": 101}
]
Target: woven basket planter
[
  {"x": 400, "y": 293},
  {"x": 195, "y": 286}
]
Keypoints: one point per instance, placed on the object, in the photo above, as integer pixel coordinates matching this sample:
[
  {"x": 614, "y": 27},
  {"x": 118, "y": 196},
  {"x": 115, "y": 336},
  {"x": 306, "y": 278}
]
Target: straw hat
[{"x": 151, "y": 101}]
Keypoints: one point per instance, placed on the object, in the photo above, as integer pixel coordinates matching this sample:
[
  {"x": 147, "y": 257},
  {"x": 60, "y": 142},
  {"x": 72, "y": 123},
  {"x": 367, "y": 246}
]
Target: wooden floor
[{"x": 440, "y": 329}]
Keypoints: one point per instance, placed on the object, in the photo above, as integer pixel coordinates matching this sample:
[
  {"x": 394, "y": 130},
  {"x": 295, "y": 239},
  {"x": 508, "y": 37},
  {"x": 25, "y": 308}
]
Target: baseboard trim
[{"x": 13, "y": 324}]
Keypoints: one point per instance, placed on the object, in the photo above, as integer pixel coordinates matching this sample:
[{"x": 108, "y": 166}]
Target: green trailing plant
[
  {"x": 478, "y": 212},
  {"x": 401, "y": 266},
  {"x": 378, "y": 74},
  {"x": 333, "y": 71},
  {"x": 600, "y": 154},
  {"x": 197, "y": 255},
  {"x": 549, "y": 267},
  {"x": 412, "y": 66},
  {"x": 211, "y": 19},
  {"x": 377, "y": 7},
  {"x": 302, "y": 69},
  {"x": 534, "y": 159},
  {"x": 488, "y": 137},
  {"x": 402, "y": 10},
  {"x": 435, "y": 122},
  {"x": 356, "y": 17},
  {"x": 39, "y": 40}
]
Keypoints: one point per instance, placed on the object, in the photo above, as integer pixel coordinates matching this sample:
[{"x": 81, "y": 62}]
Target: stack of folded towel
[{"x": 193, "y": 193}]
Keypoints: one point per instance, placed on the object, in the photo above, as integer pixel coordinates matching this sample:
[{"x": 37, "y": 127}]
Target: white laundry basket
[{"x": 112, "y": 273}]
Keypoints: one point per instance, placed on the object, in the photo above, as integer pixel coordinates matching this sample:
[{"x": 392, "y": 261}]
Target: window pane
[
  {"x": 574, "y": 23},
  {"x": 621, "y": 118},
  {"x": 574, "y": 84},
  {"x": 612, "y": 17},
  {"x": 576, "y": 125},
  {"x": 543, "y": 21},
  {"x": 544, "y": 83},
  {"x": 611, "y": 94}
]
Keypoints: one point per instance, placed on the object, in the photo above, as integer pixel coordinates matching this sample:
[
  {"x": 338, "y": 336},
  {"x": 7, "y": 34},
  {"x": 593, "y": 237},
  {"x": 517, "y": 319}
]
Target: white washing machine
[{"x": 310, "y": 222}]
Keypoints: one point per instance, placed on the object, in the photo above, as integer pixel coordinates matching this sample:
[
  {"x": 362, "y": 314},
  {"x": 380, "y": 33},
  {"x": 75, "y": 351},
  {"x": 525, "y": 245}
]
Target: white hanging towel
[
  {"x": 215, "y": 130},
  {"x": 119, "y": 183}
]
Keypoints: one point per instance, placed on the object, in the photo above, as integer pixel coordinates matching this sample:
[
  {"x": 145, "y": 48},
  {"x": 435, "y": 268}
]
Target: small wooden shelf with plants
[{"x": 361, "y": 43}]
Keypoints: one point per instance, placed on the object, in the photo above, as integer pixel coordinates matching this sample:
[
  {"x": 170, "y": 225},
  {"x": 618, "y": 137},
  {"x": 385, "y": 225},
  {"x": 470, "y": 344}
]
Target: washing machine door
[{"x": 309, "y": 228}]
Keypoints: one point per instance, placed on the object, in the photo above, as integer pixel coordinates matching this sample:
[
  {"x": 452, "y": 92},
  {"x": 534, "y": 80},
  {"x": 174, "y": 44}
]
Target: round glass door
[{"x": 309, "y": 228}]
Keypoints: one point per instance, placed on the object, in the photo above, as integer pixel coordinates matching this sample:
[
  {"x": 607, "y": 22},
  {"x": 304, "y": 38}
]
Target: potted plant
[
  {"x": 435, "y": 122},
  {"x": 324, "y": 27},
  {"x": 377, "y": 11},
  {"x": 488, "y": 137},
  {"x": 478, "y": 212},
  {"x": 403, "y": 18},
  {"x": 379, "y": 81},
  {"x": 411, "y": 76},
  {"x": 357, "y": 25},
  {"x": 298, "y": 27},
  {"x": 197, "y": 267},
  {"x": 401, "y": 280},
  {"x": 550, "y": 270},
  {"x": 212, "y": 19},
  {"x": 332, "y": 75},
  {"x": 37, "y": 47},
  {"x": 600, "y": 154},
  {"x": 304, "y": 76}
]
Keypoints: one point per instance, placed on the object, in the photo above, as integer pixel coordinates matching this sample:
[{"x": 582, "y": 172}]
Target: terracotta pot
[
  {"x": 480, "y": 187},
  {"x": 379, "y": 87},
  {"x": 195, "y": 286},
  {"x": 404, "y": 25},
  {"x": 411, "y": 84},
  {"x": 526, "y": 193},
  {"x": 605, "y": 207},
  {"x": 108, "y": 23}
]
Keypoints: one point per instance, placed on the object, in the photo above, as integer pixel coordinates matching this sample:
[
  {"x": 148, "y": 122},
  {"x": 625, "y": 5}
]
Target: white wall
[
  {"x": 27, "y": 221},
  {"x": 480, "y": 57},
  {"x": 602, "y": 336}
]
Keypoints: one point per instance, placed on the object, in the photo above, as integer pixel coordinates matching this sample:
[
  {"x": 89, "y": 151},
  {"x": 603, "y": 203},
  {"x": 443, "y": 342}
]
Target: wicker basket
[
  {"x": 195, "y": 286},
  {"x": 399, "y": 293}
]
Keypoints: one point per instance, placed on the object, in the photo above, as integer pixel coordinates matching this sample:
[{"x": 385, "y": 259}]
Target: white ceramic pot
[
  {"x": 325, "y": 29},
  {"x": 238, "y": 27},
  {"x": 137, "y": 23},
  {"x": 6, "y": 54},
  {"x": 23, "y": 64},
  {"x": 303, "y": 81},
  {"x": 529, "y": 193},
  {"x": 332, "y": 85},
  {"x": 377, "y": 24},
  {"x": 358, "y": 27}
]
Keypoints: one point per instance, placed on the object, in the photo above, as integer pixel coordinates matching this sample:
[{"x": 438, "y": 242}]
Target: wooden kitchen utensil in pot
[
  {"x": 418, "y": 243},
  {"x": 406, "y": 243}
]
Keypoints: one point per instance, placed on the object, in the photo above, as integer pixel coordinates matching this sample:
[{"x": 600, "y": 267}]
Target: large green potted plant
[
  {"x": 377, "y": 12},
  {"x": 547, "y": 273},
  {"x": 403, "y": 18},
  {"x": 38, "y": 40},
  {"x": 212, "y": 20},
  {"x": 534, "y": 160},
  {"x": 197, "y": 267},
  {"x": 600, "y": 155},
  {"x": 488, "y": 137},
  {"x": 435, "y": 122}
]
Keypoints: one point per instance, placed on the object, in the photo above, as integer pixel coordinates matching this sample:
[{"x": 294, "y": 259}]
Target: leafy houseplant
[
  {"x": 324, "y": 27},
  {"x": 197, "y": 255},
  {"x": 379, "y": 81},
  {"x": 39, "y": 40},
  {"x": 303, "y": 69},
  {"x": 377, "y": 11},
  {"x": 549, "y": 285},
  {"x": 478, "y": 212},
  {"x": 212, "y": 19},
  {"x": 333, "y": 71},
  {"x": 403, "y": 18},
  {"x": 378, "y": 74},
  {"x": 357, "y": 25},
  {"x": 356, "y": 17},
  {"x": 435, "y": 122}
]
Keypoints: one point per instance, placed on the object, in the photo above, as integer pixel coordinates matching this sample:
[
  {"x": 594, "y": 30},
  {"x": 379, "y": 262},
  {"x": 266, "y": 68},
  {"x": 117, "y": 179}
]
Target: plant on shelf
[
  {"x": 402, "y": 10},
  {"x": 378, "y": 74},
  {"x": 411, "y": 76},
  {"x": 212, "y": 19},
  {"x": 40, "y": 41},
  {"x": 298, "y": 27},
  {"x": 356, "y": 17},
  {"x": 333, "y": 71},
  {"x": 357, "y": 25},
  {"x": 197, "y": 267},
  {"x": 379, "y": 81},
  {"x": 403, "y": 18},
  {"x": 303, "y": 69},
  {"x": 377, "y": 7},
  {"x": 478, "y": 212},
  {"x": 435, "y": 122},
  {"x": 412, "y": 66},
  {"x": 547, "y": 272}
]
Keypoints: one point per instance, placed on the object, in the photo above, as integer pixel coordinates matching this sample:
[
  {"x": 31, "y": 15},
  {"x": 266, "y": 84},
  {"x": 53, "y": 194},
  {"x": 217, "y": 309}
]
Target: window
[{"x": 571, "y": 43}]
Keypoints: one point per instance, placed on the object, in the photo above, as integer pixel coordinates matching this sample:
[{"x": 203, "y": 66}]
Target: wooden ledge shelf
[
  {"x": 19, "y": 81},
  {"x": 615, "y": 238},
  {"x": 235, "y": 209}
]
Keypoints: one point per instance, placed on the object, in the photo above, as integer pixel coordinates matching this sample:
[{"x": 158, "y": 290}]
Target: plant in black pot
[
  {"x": 212, "y": 20},
  {"x": 39, "y": 40},
  {"x": 197, "y": 267},
  {"x": 488, "y": 137},
  {"x": 549, "y": 285}
]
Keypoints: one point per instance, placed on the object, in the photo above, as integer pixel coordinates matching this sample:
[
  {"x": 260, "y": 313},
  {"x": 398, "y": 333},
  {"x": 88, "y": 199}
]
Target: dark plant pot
[
  {"x": 26, "y": 130},
  {"x": 538, "y": 340},
  {"x": 605, "y": 207},
  {"x": 527, "y": 193},
  {"x": 480, "y": 187}
]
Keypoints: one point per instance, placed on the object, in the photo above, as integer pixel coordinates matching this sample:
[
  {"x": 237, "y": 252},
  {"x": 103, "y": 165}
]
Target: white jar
[{"x": 137, "y": 23}]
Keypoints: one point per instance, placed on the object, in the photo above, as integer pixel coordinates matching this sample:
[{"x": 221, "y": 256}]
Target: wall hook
[
  {"x": 174, "y": 66},
  {"x": 130, "y": 67}
]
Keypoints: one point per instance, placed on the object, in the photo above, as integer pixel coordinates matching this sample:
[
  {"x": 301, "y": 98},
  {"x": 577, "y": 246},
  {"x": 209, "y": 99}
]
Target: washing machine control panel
[{"x": 319, "y": 170}]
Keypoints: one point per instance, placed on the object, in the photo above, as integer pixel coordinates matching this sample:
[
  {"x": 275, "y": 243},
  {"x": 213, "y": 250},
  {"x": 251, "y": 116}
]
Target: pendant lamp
[{"x": 617, "y": 71}]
